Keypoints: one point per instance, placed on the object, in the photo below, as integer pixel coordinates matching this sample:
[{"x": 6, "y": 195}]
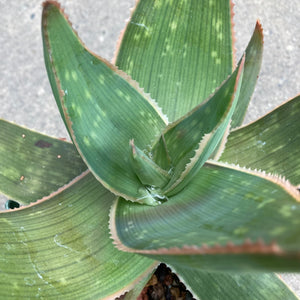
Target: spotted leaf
[
  {"x": 227, "y": 218},
  {"x": 102, "y": 107},
  {"x": 179, "y": 51},
  {"x": 41, "y": 166},
  {"x": 192, "y": 139},
  {"x": 271, "y": 143}
]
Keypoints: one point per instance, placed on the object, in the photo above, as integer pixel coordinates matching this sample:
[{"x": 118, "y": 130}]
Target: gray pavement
[{"x": 25, "y": 94}]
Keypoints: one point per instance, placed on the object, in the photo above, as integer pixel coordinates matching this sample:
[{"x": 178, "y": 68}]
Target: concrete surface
[{"x": 25, "y": 95}]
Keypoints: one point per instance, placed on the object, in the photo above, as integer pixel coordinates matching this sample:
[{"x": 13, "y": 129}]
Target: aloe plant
[{"x": 169, "y": 176}]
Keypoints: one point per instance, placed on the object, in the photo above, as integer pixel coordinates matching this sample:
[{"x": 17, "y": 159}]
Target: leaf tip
[
  {"x": 259, "y": 29},
  {"x": 51, "y": 2}
]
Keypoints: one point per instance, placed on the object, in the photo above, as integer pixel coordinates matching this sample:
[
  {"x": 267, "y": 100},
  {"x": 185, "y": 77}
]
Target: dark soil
[{"x": 165, "y": 285}]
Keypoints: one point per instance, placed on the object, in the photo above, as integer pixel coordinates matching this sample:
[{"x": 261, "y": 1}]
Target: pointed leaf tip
[
  {"x": 192, "y": 139},
  {"x": 251, "y": 70},
  {"x": 82, "y": 84},
  {"x": 51, "y": 2},
  {"x": 259, "y": 29}
]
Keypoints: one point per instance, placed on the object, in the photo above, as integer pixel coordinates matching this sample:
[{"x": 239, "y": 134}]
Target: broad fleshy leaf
[
  {"x": 60, "y": 247},
  {"x": 226, "y": 219},
  {"x": 103, "y": 108},
  {"x": 271, "y": 143},
  {"x": 33, "y": 165},
  {"x": 191, "y": 140},
  {"x": 179, "y": 51},
  {"x": 246, "y": 286}
]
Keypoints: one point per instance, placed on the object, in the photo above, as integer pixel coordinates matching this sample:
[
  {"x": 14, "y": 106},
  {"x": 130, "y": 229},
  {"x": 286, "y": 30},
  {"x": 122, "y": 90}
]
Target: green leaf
[
  {"x": 227, "y": 286},
  {"x": 251, "y": 70},
  {"x": 103, "y": 108},
  {"x": 33, "y": 165},
  {"x": 179, "y": 51},
  {"x": 253, "y": 60},
  {"x": 60, "y": 247},
  {"x": 271, "y": 143},
  {"x": 148, "y": 172},
  {"x": 226, "y": 219},
  {"x": 191, "y": 140}
]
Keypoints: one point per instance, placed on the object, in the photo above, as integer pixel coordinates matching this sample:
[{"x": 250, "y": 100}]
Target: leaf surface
[
  {"x": 226, "y": 286},
  {"x": 253, "y": 61},
  {"x": 272, "y": 143},
  {"x": 33, "y": 165},
  {"x": 103, "y": 108},
  {"x": 226, "y": 219},
  {"x": 60, "y": 248},
  {"x": 190, "y": 140},
  {"x": 253, "y": 58},
  {"x": 148, "y": 172},
  {"x": 179, "y": 51}
]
